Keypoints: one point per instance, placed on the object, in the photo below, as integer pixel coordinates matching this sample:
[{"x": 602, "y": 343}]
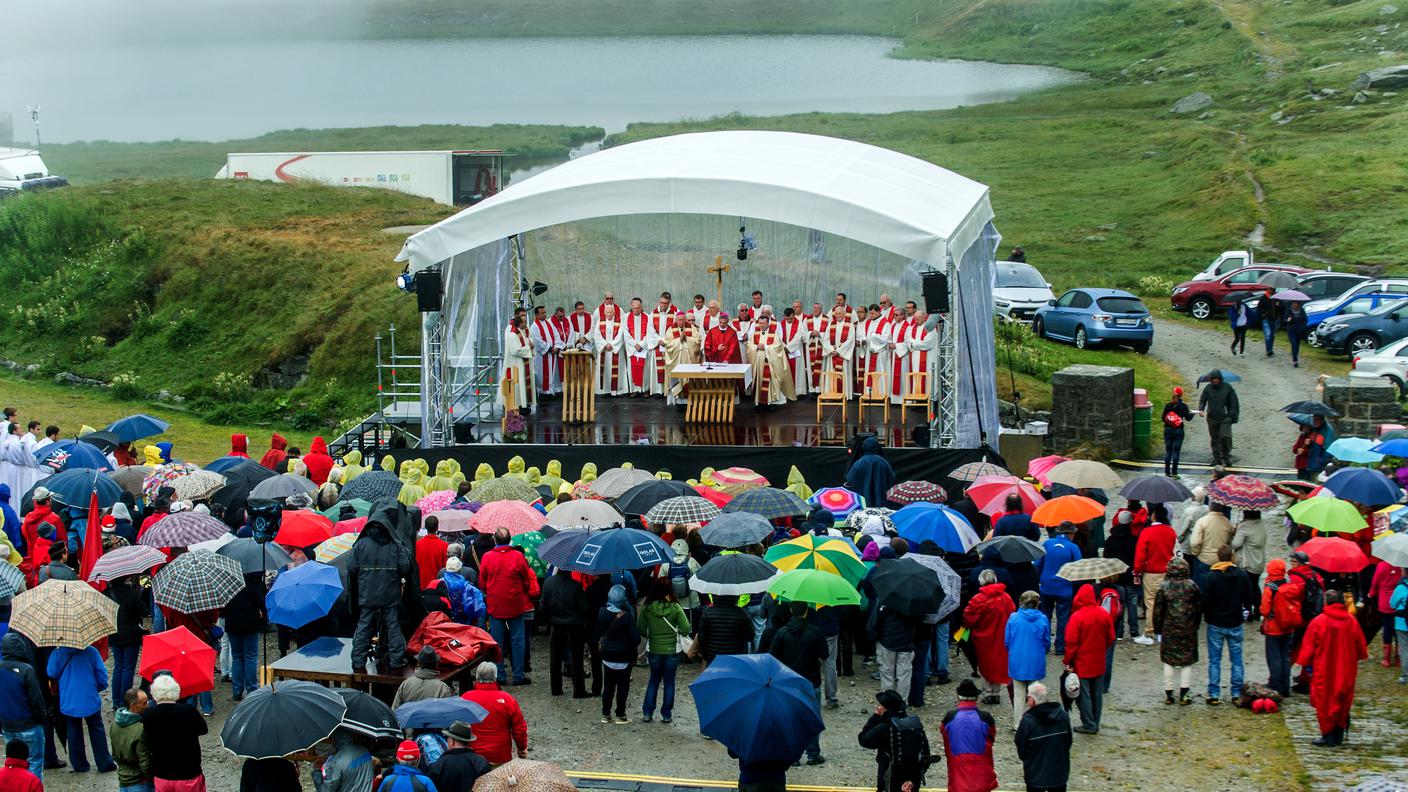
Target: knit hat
[
  {"x": 616, "y": 599},
  {"x": 407, "y": 751},
  {"x": 968, "y": 690},
  {"x": 453, "y": 564},
  {"x": 427, "y": 657},
  {"x": 1124, "y": 517}
]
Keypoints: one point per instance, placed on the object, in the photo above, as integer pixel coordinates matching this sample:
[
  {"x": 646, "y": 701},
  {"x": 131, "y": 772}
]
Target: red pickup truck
[{"x": 1204, "y": 298}]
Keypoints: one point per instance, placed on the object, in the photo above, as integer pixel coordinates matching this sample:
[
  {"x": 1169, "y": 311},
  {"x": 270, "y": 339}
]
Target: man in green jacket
[
  {"x": 1218, "y": 403},
  {"x": 129, "y": 744}
]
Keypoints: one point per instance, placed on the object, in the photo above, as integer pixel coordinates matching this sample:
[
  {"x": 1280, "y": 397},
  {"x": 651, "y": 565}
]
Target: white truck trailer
[
  {"x": 23, "y": 170},
  {"x": 453, "y": 178}
]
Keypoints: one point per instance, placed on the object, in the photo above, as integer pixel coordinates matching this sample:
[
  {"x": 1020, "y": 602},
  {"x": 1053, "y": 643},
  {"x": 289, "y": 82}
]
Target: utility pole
[{"x": 34, "y": 116}]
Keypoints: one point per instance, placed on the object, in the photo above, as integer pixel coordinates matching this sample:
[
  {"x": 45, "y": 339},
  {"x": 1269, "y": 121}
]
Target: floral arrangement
[{"x": 515, "y": 428}]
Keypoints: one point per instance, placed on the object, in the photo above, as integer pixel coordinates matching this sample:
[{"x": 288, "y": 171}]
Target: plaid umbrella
[
  {"x": 1092, "y": 569},
  {"x": 196, "y": 485},
  {"x": 682, "y": 510},
  {"x": 255, "y": 556},
  {"x": 163, "y": 476},
  {"x": 1084, "y": 474},
  {"x": 769, "y": 503},
  {"x": 183, "y": 529},
  {"x": 63, "y": 613},
  {"x": 11, "y": 580},
  {"x": 975, "y": 470},
  {"x": 1039, "y": 467},
  {"x": 818, "y": 552},
  {"x": 739, "y": 475},
  {"x": 334, "y": 547},
  {"x": 284, "y": 485},
  {"x": 837, "y": 500},
  {"x": 614, "y": 482},
  {"x": 585, "y": 514},
  {"x": 1242, "y": 492},
  {"x": 433, "y": 502},
  {"x": 855, "y": 523},
  {"x": 124, "y": 561},
  {"x": 198, "y": 580},
  {"x": 517, "y": 516},
  {"x": 503, "y": 489},
  {"x": 372, "y": 486},
  {"x": 529, "y": 543},
  {"x": 130, "y": 478},
  {"x": 916, "y": 492}
]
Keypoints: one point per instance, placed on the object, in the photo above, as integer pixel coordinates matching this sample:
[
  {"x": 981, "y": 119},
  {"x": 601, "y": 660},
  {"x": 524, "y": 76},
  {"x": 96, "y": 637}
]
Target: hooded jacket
[
  {"x": 986, "y": 615},
  {"x": 496, "y": 736},
  {"x": 871, "y": 475},
  {"x": 1089, "y": 633},
  {"x": 348, "y": 769},
  {"x": 82, "y": 677},
  {"x": 516, "y": 469},
  {"x": 12, "y": 523},
  {"x": 21, "y": 699},
  {"x": 318, "y": 461},
  {"x": 1333, "y": 646},
  {"x": 482, "y": 473},
  {"x": 277, "y": 453},
  {"x": 412, "y": 488},
  {"x": 378, "y": 563},
  {"x": 129, "y": 749},
  {"x": 802, "y": 648},
  {"x": 1044, "y": 746},
  {"x": 442, "y": 481},
  {"x": 508, "y": 583},
  {"x": 1219, "y": 402},
  {"x": 1027, "y": 637},
  {"x": 352, "y": 466},
  {"x": 552, "y": 475},
  {"x": 239, "y": 445},
  {"x": 797, "y": 484},
  {"x": 1178, "y": 611}
]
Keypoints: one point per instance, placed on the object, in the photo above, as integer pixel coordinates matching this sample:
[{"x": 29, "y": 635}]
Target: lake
[{"x": 158, "y": 90}]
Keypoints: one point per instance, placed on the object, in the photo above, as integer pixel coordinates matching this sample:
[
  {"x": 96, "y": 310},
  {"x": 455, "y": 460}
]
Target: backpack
[
  {"x": 679, "y": 580},
  {"x": 1286, "y": 610},
  {"x": 472, "y": 607},
  {"x": 1313, "y": 600},
  {"x": 909, "y": 745}
]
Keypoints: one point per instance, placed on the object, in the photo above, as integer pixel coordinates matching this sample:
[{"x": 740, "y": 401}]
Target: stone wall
[
  {"x": 1093, "y": 405},
  {"x": 1363, "y": 404}
]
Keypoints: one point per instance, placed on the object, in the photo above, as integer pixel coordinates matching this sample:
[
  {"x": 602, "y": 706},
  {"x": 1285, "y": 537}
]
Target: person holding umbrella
[
  {"x": 1296, "y": 324},
  {"x": 347, "y": 769},
  {"x": 1309, "y": 448}
]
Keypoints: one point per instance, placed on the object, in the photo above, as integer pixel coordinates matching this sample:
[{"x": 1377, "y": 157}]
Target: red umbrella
[
  {"x": 189, "y": 659},
  {"x": 713, "y": 496},
  {"x": 1334, "y": 554},
  {"x": 990, "y": 493},
  {"x": 354, "y": 525},
  {"x": 517, "y": 516},
  {"x": 301, "y": 528}
]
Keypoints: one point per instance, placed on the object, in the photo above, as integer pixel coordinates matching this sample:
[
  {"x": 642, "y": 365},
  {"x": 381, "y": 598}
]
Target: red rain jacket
[
  {"x": 1089, "y": 633},
  {"x": 318, "y": 461},
  {"x": 508, "y": 583},
  {"x": 1333, "y": 646},
  {"x": 275, "y": 456},
  {"x": 496, "y": 735},
  {"x": 431, "y": 553},
  {"x": 986, "y": 618},
  {"x": 1154, "y": 549}
]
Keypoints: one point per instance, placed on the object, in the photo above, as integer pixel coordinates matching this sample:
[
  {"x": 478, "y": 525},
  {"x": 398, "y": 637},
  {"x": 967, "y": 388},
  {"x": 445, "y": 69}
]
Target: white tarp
[{"x": 873, "y": 195}]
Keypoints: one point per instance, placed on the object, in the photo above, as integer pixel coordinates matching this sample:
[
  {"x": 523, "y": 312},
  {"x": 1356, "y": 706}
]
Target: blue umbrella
[
  {"x": 439, "y": 713},
  {"x": 303, "y": 594},
  {"x": 74, "y": 486},
  {"x": 948, "y": 529},
  {"x": 612, "y": 550},
  {"x": 1363, "y": 485},
  {"x": 224, "y": 463},
  {"x": 136, "y": 427},
  {"x": 757, "y": 707},
  {"x": 1398, "y": 447},
  {"x": 1354, "y": 449},
  {"x": 66, "y": 454}
]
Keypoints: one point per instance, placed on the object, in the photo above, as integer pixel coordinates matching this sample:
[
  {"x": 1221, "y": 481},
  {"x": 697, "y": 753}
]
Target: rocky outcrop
[
  {"x": 1192, "y": 103},
  {"x": 1380, "y": 79}
]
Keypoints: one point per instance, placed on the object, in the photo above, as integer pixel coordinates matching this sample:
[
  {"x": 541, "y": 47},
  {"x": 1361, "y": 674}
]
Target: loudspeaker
[
  {"x": 429, "y": 289},
  {"x": 935, "y": 287}
]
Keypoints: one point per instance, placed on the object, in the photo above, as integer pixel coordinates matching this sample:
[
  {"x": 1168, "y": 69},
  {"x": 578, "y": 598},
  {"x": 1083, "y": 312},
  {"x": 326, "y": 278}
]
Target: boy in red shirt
[{"x": 15, "y": 775}]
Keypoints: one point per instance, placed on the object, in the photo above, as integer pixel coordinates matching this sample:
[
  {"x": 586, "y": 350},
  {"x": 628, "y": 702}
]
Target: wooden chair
[
  {"x": 833, "y": 393},
  {"x": 876, "y": 393},
  {"x": 916, "y": 391}
]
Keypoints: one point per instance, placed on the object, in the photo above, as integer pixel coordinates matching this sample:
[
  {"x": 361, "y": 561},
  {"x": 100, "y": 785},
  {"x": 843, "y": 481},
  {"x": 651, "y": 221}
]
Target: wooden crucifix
[{"x": 718, "y": 271}]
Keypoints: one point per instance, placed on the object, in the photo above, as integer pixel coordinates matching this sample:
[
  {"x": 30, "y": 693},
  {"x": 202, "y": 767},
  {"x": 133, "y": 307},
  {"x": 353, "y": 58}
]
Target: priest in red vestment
[
  {"x": 1333, "y": 646},
  {"x": 721, "y": 343}
]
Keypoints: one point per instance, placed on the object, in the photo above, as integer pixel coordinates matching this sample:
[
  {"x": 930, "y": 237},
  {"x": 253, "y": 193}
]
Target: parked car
[
  {"x": 1390, "y": 363},
  {"x": 1320, "y": 285},
  {"x": 1202, "y": 299},
  {"x": 1380, "y": 290},
  {"x": 1096, "y": 316},
  {"x": 1229, "y": 261},
  {"x": 1358, "y": 334},
  {"x": 1018, "y": 290}
]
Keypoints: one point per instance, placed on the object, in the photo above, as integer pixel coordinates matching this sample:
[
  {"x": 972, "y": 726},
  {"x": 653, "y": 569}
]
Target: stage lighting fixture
[
  {"x": 406, "y": 282},
  {"x": 745, "y": 243},
  {"x": 539, "y": 288}
]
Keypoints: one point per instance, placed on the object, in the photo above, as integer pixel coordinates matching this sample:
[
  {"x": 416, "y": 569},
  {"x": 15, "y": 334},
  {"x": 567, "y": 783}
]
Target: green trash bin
[{"x": 1143, "y": 426}]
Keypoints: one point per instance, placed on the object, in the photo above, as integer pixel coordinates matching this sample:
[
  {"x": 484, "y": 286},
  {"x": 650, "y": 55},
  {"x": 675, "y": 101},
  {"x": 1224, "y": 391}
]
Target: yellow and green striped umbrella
[{"x": 818, "y": 552}]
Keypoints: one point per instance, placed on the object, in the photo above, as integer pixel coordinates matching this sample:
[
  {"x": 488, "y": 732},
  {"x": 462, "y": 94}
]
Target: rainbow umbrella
[
  {"x": 1039, "y": 467},
  {"x": 818, "y": 552},
  {"x": 1328, "y": 515},
  {"x": 739, "y": 475},
  {"x": 334, "y": 547},
  {"x": 837, "y": 500}
]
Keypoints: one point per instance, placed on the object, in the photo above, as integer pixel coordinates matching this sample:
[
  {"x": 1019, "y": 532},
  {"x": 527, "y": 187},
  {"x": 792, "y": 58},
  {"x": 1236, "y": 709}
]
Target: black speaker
[
  {"x": 429, "y": 288},
  {"x": 935, "y": 285}
]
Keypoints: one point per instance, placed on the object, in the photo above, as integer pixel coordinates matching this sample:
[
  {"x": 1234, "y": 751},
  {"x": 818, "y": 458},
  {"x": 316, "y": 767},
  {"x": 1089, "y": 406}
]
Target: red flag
[{"x": 93, "y": 539}]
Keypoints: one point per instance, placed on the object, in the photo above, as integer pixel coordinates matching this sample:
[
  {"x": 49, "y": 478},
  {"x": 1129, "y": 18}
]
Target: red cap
[
  {"x": 1177, "y": 391},
  {"x": 407, "y": 751}
]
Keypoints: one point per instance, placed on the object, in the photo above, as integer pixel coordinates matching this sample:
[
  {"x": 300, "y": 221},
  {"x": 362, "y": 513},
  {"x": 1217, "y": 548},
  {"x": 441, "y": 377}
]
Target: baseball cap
[
  {"x": 407, "y": 751},
  {"x": 1177, "y": 391},
  {"x": 41, "y": 493}
]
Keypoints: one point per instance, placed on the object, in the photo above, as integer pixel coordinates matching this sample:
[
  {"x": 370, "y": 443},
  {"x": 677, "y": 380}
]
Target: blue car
[
  {"x": 1086, "y": 317},
  {"x": 1362, "y": 298},
  {"x": 1363, "y": 333}
]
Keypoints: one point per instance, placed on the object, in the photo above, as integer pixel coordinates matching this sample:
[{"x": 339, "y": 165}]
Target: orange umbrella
[{"x": 1067, "y": 508}]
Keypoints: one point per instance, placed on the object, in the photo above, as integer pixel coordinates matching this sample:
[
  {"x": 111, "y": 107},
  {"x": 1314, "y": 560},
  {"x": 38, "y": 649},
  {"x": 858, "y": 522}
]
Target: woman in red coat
[
  {"x": 1333, "y": 646},
  {"x": 986, "y": 619},
  {"x": 1089, "y": 634}
]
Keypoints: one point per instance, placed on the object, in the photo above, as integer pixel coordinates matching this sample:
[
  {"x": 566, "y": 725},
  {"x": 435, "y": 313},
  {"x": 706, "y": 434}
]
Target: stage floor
[{"x": 624, "y": 420}]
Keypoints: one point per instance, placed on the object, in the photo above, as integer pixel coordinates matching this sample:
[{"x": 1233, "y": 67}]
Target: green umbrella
[
  {"x": 814, "y": 586},
  {"x": 501, "y": 489},
  {"x": 809, "y": 551},
  {"x": 334, "y": 512},
  {"x": 529, "y": 542},
  {"x": 1330, "y": 515}
]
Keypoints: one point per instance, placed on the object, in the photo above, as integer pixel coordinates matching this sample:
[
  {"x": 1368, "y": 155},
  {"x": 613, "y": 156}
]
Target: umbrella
[
  {"x": 105, "y": 441},
  {"x": 990, "y": 494},
  {"x": 65, "y": 454},
  {"x": 63, "y": 613},
  {"x": 282, "y": 719},
  {"x": 735, "y": 529},
  {"x": 502, "y": 489},
  {"x": 303, "y": 528},
  {"x": 433, "y": 502},
  {"x": 720, "y": 499},
  {"x": 451, "y": 520},
  {"x": 640, "y": 498},
  {"x": 372, "y": 486},
  {"x": 352, "y": 526},
  {"x": 240, "y": 480},
  {"x": 756, "y": 707},
  {"x": 1278, "y": 279},
  {"x": 439, "y": 713},
  {"x": 949, "y": 579},
  {"x": 837, "y": 500},
  {"x": 255, "y": 557},
  {"x": 124, "y": 561},
  {"x": 585, "y": 514},
  {"x": 975, "y": 470},
  {"x": 197, "y": 485},
  {"x": 515, "y": 515},
  {"x": 1397, "y": 447},
  {"x": 732, "y": 574},
  {"x": 130, "y": 478},
  {"x": 357, "y": 507},
  {"x": 916, "y": 492},
  {"x": 1328, "y": 515},
  {"x": 1363, "y": 485},
  {"x": 1393, "y": 434},
  {"x": 1039, "y": 467},
  {"x": 1091, "y": 569},
  {"x": 303, "y": 594},
  {"x": 1085, "y": 474},
  {"x": 615, "y": 482},
  {"x": 1012, "y": 549},
  {"x": 137, "y": 427},
  {"x": 74, "y": 486},
  {"x": 529, "y": 543},
  {"x": 769, "y": 502},
  {"x": 682, "y": 510},
  {"x": 1308, "y": 407},
  {"x": 1068, "y": 508},
  {"x": 367, "y": 715},
  {"x": 525, "y": 775},
  {"x": 563, "y": 545},
  {"x": 813, "y": 586},
  {"x": 1242, "y": 492},
  {"x": 198, "y": 580},
  {"x": 855, "y": 523},
  {"x": 1334, "y": 555},
  {"x": 612, "y": 550},
  {"x": 190, "y": 660},
  {"x": 1291, "y": 295},
  {"x": 285, "y": 485},
  {"x": 1154, "y": 488},
  {"x": 225, "y": 463},
  {"x": 214, "y": 545},
  {"x": 1356, "y": 450},
  {"x": 950, "y": 530},
  {"x": 183, "y": 529},
  {"x": 1226, "y": 375},
  {"x": 810, "y": 551},
  {"x": 334, "y": 547},
  {"x": 12, "y": 580},
  {"x": 740, "y": 475},
  {"x": 163, "y": 476},
  {"x": 907, "y": 587},
  {"x": 1392, "y": 549}
]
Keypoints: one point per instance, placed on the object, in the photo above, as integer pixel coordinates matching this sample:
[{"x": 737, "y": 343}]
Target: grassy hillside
[{"x": 102, "y": 160}]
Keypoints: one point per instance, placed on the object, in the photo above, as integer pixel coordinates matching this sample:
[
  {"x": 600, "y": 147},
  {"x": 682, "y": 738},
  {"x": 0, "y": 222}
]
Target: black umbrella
[
  {"x": 906, "y": 586},
  {"x": 1310, "y": 407},
  {"x": 733, "y": 574},
  {"x": 374, "y": 485},
  {"x": 104, "y": 440},
  {"x": 1012, "y": 549},
  {"x": 255, "y": 557},
  {"x": 282, "y": 719},
  {"x": 1155, "y": 489},
  {"x": 735, "y": 529},
  {"x": 239, "y": 480},
  {"x": 639, "y": 499},
  {"x": 368, "y": 715}
]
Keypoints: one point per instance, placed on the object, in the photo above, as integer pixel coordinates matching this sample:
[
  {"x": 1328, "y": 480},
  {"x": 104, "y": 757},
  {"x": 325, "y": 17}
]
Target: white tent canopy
[{"x": 873, "y": 195}]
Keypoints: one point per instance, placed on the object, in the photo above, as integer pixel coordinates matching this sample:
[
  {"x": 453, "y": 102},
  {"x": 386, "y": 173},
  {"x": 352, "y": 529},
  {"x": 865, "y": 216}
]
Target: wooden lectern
[{"x": 578, "y": 386}]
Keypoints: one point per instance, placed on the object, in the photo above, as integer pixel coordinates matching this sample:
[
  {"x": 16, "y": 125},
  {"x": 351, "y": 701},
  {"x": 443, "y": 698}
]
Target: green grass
[{"x": 102, "y": 160}]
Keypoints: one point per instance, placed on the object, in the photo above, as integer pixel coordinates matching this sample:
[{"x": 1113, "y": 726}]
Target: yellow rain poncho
[
  {"x": 664, "y": 475},
  {"x": 413, "y": 488},
  {"x": 515, "y": 469},
  {"x": 85, "y": 429},
  {"x": 534, "y": 477},
  {"x": 352, "y": 466},
  {"x": 798, "y": 485},
  {"x": 406, "y": 468},
  {"x": 152, "y": 456},
  {"x": 553, "y": 476},
  {"x": 588, "y": 473},
  {"x": 706, "y": 477},
  {"x": 484, "y": 472},
  {"x": 442, "y": 480},
  {"x": 456, "y": 475},
  {"x": 423, "y": 467},
  {"x": 388, "y": 463}
]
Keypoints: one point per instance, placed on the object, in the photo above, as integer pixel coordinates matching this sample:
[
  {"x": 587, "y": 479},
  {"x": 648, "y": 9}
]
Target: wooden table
[
  {"x": 713, "y": 388},
  {"x": 578, "y": 386},
  {"x": 328, "y": 661}
]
